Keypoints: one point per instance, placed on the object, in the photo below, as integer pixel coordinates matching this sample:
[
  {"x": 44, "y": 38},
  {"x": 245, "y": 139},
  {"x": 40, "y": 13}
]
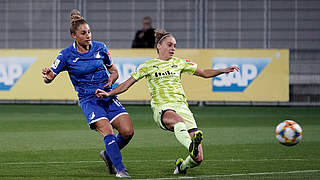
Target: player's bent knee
[
  {"x": 199, "y": 159},
  {"x": 128, "y": 134}
]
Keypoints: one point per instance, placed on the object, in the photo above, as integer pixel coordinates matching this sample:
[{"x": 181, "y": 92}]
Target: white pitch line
[
  {"x": 50, "y": 162},
  {"x": 233, "y": 175},
  {"x": 257, "y": 160},
  {"x": 143, "y": 161}
]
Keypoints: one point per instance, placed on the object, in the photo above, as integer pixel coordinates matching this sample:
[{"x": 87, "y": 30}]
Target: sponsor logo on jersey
[
  {"x": 167, "y": 73},
  {"x": 250, "y": 68},
  {"x": 12, "y": 69}
]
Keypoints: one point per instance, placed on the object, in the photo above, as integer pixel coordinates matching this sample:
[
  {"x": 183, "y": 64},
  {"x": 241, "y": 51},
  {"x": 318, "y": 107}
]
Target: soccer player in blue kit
[{"x": 87, "y": 63}]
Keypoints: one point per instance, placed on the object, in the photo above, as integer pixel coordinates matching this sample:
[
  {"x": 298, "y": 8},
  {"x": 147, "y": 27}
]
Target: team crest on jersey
[
  {"x": 92, "y": 115},
  {"x": 98, "y": 55}
]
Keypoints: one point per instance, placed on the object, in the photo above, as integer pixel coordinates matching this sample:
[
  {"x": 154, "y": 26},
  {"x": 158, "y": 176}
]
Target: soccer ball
[{"x": 288, "y": 133}]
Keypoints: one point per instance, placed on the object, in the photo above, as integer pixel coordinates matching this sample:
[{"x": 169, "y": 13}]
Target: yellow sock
[
  {"x": 188, "y": 163},
  {"x": 182, "y": 135}
]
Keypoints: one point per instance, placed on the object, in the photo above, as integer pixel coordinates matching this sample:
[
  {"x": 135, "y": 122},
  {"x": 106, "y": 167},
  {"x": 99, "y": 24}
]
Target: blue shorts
[{"x": 96, "y": 109}]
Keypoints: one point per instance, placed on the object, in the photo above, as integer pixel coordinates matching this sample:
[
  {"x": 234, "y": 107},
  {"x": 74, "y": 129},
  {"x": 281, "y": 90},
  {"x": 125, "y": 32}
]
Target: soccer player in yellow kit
[{"x": 169, "y": 102}]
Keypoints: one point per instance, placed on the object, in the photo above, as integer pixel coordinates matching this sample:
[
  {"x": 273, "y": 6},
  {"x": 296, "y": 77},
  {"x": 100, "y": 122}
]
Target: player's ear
[
  {"x": 73, "y": 35},
  {"x": 158, "y": 45}
]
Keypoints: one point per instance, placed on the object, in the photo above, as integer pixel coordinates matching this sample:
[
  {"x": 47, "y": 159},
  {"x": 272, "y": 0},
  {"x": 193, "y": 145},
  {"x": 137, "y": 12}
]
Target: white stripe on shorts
[
  {"x": 98, "y": 120},
  {"x": 117, "y": 116},
  {"x": 107, "y": 118}
]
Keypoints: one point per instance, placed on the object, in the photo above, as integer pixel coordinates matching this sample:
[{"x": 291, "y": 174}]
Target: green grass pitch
[{"x": 54, "y": 142}]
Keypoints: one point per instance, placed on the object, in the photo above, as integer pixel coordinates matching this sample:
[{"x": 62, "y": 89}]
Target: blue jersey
[{"x": 87, "y": 71}]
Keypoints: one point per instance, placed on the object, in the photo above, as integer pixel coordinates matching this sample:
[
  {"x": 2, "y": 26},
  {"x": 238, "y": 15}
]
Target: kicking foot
[
  {"x": 194, "y": 145},
  {"x": 178, "y": 167},
  {"x": 107, "y": 160},
  {"x": 123, "y": 174}
]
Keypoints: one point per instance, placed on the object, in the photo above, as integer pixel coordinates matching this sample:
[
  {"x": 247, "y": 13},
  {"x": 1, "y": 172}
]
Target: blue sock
[
  {"x": 121, "y": 141},
  {"x": 113, "y": 151}
]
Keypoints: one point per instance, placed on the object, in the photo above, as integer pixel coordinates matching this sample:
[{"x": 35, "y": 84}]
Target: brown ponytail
[
  {"x": 160, "y": 34},
  {"x": 75, "y": 20}
]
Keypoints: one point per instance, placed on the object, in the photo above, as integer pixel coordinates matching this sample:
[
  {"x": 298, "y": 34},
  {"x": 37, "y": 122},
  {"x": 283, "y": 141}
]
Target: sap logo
[
  {"x": 126, "y": 66},
  {"x": 250, "y": 68},
  {"x": 12, "y": 69}
]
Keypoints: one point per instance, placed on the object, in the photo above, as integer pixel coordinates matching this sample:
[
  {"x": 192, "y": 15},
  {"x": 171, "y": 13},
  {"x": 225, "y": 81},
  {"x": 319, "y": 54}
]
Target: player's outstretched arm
[
  {"x": 208, "y": 73},
  {"x": 48, "y": 75},
  {"x": 118, "y": 90}
]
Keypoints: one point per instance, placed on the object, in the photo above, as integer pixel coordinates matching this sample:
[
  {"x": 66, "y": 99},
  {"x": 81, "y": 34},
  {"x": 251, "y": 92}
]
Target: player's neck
[
  {"x": 163, "y": 58},
  {"x": 83, "y": 48}
]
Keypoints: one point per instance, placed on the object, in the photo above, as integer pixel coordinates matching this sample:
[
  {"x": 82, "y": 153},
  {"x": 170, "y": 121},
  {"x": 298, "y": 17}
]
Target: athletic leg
[
  {"x": 173, "y": 122},
  {"x": 191, "y": 161},
  {"x": 97, "y": 113},
  {"x": 119, "y": 119},
  {"x": 104, "y": 127}
]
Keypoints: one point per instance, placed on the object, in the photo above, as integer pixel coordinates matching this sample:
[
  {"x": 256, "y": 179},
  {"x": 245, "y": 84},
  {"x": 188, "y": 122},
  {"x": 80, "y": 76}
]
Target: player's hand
[
  {"x": 101, "y": 93},
  {"x": 231, "y": 69},
  {"x": 48, "y": 74},
  {"x": 109, "y": 83}
]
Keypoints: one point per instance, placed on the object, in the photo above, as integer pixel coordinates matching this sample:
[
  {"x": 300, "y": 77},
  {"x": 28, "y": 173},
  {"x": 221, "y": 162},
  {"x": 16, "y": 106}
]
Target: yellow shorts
[{"x": 180, "y": 108}]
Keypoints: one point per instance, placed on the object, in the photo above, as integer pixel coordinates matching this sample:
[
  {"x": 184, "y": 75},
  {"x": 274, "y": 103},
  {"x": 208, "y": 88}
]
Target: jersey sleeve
[
  {"x": 140, "y": 72},
  {"x": 59, "y": 64},
  {"x": 106, "y": 56},
  {"x": 189, "y": 67}
]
